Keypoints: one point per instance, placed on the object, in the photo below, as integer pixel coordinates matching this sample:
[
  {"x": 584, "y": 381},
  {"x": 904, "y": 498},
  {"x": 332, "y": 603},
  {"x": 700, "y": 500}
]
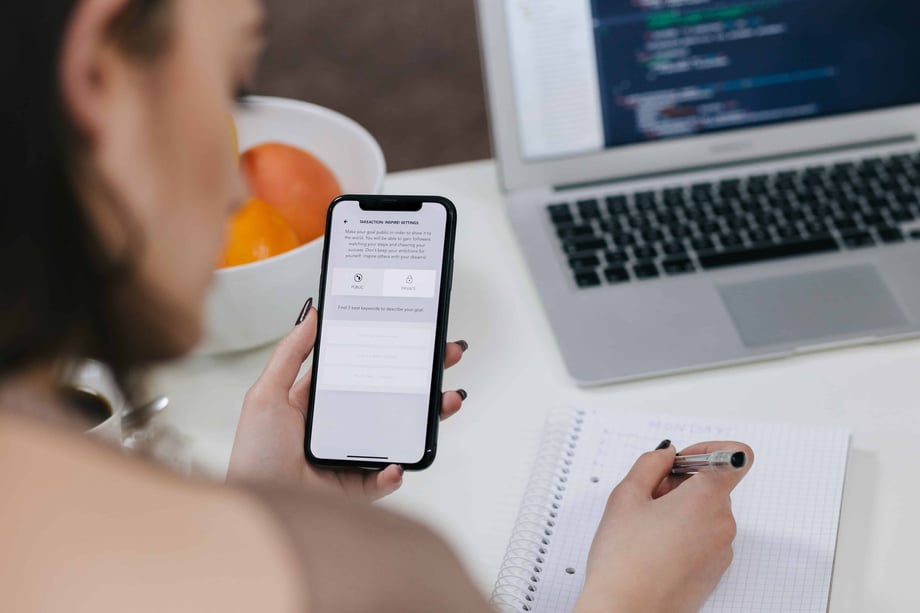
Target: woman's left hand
[{"x": 270, "y": 435}]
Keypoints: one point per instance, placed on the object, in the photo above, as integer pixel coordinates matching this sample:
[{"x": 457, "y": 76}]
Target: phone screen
[{"x": 380, "y": 306}]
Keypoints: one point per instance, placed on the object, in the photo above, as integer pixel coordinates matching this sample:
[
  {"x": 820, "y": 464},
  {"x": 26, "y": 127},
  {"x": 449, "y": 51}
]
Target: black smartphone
[{"x": 379, "y": 356}]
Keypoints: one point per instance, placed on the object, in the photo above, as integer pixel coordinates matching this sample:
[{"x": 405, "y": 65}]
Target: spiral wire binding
[{"x": 518, "y": 585}]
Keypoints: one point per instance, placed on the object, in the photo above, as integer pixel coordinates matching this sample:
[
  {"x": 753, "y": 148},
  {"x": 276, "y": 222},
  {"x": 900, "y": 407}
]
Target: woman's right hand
[{"x": 664, "y": 542}]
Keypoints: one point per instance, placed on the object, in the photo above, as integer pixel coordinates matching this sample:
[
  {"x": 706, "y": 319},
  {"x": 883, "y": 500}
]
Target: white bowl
[{"x": 255, "y": 304}]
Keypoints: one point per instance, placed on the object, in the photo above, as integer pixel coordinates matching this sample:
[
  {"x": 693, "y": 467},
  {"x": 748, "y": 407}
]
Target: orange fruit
[
  {"x": 257, "y": 231},
  {"x": 295, "y": 182}
]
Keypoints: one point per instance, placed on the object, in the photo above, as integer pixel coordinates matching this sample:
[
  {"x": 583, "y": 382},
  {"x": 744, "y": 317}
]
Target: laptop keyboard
[{"x": 682, "y": 230}]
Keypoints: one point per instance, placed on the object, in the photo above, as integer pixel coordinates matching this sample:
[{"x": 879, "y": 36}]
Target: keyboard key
[
  {"x": 623, "y": 239},
  {"x": 645, "y": 270},
  {"x": 616, "y": 205},
  {"x": 578, "y": 246},
  {"x": 645, "y": 252},
  {"x": 611, "y": 227},
  {"x": 674, "y": 248},
  {"x": 757, "y": 189},
  {"x": 890, "y": 235},
  {"x": 701, "y": 188},
  {"x": 842, "y": 169},
  {"x": 737, "y": 223},
  {"x": 758, "y": 235},
  {"x": 752, "y": 205},
  {"x": 616, "y": 257},
  {"x": 587, "y": 278},
  {"x": 871, "y": 167},
  {"x": 646, "y": 219},
  {"x": 634, "y": 220},
  {"x": 816, "y": 227},
  {"x": 696, "y": 214},
  {"x": 878, "y": 203},
  {"x": 710, "y": 227},
  {"x": 673, "y": 196},
  {"x": 682, "y": 231},
  {"x": 849, "y": 205},
  {"x": 906, "y": 197},
  {"x": 902, "y": 160},
  {"x": 766, "y": 218},
  {"x": 669, "y": 215},
  {"x": 701, "y": 198},
  {"x": 806, "y": 194},
  {"x": 822, "y": 244},
  {"x": 584, "y": 261},
  {"x": 569, "y": 232},
  {"x": 729, "y": 188},
  {"x": 678, "y": 266},
  {"x": 645, "y": 201},
  {"x": 787, "y": 233},
  {"x": 702, "y": 244},
  {"x": 844, "y": 223},
  {"x": 837, "y": 187},
  {"x": 813, "y": 175},
  {"x": 616, "y": 274},
  {"x": 856, "y": 240},
  {"x": 589, "y": 209},
  {"x": 560, "y": 213}
]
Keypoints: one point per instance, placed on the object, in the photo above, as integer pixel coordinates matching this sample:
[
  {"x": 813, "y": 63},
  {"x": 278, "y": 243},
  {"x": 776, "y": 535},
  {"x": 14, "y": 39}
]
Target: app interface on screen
[{"x": 379, "y": 320}]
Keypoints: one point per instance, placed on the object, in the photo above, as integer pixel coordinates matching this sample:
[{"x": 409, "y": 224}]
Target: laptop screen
[{"x": 594, "y": 74}]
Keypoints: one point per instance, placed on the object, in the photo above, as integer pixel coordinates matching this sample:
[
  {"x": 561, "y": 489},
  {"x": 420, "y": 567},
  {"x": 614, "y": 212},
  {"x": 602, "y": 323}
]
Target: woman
[{"x": 111, "y": 219}]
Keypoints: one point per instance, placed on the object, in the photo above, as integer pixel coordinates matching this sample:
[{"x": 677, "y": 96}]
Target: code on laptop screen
[{"x": 659, "y": 69}]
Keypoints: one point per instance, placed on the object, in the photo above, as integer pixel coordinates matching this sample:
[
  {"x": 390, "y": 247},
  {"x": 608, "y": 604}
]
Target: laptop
[{"x": 697, "y": 183}]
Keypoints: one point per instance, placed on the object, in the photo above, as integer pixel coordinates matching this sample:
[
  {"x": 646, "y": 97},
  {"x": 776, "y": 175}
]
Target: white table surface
[{"x": 514, "y": 375}]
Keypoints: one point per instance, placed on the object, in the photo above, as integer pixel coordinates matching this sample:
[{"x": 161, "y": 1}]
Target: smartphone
[{"x": 378, "y": 361}]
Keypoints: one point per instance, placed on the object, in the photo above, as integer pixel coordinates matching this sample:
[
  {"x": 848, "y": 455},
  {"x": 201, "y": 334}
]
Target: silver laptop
[{"x": 697, "y": 183}]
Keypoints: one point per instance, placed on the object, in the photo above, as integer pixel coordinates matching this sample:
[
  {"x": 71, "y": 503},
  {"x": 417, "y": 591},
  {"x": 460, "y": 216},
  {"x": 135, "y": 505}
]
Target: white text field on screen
[{"x": 376, "y": 356}]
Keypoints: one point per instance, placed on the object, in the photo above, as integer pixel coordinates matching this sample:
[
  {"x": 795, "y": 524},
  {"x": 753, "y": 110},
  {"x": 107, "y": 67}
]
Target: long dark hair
[{"x": 57, "y": 286}]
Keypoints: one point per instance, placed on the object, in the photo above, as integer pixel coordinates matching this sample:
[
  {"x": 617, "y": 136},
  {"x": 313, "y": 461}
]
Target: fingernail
[
  {"x": 463, "y": 345},
  {"x": 463, "y": 394},
  {"x": 304, "y": 311},
  {"x": 663, "y": 445}
]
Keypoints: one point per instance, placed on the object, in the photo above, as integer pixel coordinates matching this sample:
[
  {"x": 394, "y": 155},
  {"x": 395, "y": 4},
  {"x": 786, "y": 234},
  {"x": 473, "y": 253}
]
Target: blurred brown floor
[{"x": 408, "y": 70}]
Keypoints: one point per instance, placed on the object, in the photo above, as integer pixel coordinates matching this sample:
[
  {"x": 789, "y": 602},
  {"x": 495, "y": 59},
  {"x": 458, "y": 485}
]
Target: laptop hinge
[{"x": 888, "y": 141}]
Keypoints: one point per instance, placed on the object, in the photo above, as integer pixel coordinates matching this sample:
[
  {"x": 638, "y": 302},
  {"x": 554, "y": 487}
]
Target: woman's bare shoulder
[{"x": 86, "y": 528}]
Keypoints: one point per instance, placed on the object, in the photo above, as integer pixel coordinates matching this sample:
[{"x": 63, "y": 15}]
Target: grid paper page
[{"x": 787, "y": 508}]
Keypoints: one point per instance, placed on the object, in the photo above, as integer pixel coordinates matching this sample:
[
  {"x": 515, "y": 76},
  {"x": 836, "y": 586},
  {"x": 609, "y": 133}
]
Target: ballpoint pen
[{"x": 715, "y": 461}]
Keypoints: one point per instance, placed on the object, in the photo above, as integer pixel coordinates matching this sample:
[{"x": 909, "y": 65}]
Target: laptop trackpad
[{"x": 809, "y": 306}]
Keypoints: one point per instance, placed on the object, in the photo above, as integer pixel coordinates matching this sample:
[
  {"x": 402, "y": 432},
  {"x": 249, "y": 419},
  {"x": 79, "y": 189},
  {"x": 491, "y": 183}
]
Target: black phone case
[{"x": 447, "y": 271}]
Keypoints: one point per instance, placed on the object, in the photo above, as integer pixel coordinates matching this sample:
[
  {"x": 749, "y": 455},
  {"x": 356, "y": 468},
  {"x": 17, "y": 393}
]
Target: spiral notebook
[{"x": 787, "y": 510}]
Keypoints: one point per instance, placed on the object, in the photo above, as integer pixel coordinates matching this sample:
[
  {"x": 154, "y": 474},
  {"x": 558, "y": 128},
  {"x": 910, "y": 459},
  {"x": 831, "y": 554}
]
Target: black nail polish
[
  {"x": 304, "y": 311},
  {"x": 663, "y": 445},
  {"x": 463, "y": 394},
  {"x": 463, "y": 345}
]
